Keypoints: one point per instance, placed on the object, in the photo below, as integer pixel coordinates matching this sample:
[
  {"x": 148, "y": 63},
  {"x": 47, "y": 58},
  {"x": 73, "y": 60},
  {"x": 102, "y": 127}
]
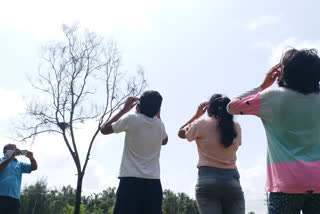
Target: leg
[
  {"x": 14, "y": 210},
  {"x": 233, "y": 200},
  {"x": 283, "y": 203},
  {"x": 208, "y": 202},
  {"x": 3, "y": 204},
  {"x": 129, "y": 197},
  {"x": 9, "y": 205},
  {"x": 153, "y": 197},
  {"x": 311, "y": 204}
]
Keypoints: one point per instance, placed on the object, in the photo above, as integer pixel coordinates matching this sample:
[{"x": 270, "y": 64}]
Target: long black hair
[
  {"x": 217, "y": 109},
  {"x": 300, "y": 70}
]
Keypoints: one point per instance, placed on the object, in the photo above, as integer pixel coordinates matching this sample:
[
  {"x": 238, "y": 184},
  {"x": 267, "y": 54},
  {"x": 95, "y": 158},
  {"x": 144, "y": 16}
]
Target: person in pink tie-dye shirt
[{"x": 291, "y": 118}]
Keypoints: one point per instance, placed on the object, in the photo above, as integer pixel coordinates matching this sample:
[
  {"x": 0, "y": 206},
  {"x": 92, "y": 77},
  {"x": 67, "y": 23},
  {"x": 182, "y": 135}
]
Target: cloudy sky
[{"x": 189, "y": 49}]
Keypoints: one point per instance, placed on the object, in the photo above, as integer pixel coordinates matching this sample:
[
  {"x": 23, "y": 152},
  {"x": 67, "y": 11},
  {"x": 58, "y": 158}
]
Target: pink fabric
[
  {"x": 293, "y": 177},
  {"x": 210, "y": 149},
  {"x": 248, "y": 105}
]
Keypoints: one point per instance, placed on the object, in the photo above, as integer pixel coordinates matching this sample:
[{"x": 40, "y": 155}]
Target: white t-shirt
[{"x": 143, "y": 141}]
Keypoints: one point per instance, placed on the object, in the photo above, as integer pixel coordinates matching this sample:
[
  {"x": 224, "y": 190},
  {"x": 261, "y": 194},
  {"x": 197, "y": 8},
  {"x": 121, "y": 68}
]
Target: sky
[{"x": 189, "y": 49}]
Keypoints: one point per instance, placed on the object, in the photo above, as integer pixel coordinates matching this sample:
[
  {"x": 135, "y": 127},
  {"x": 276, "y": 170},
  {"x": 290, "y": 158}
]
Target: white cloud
[
  {"x": 11, "y": 103},
  {"x": 98, "y": 178},
  {"x": 277, "y": 50},
  {"x": 252, "y": 181},
  {"x": 43, "y": 17},
  {"x": 262, "y": 21}
]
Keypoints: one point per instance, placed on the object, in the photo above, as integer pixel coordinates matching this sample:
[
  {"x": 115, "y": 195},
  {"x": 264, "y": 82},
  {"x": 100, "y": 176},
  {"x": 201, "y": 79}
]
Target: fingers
[
  {"x": 202, "y": 108},
  {"x": 29, "y": 154},
  {"x": 276, "y": 66},
  {"x": 274, "y": 72},
  {"x": 130, "y": 103},
  {"x": 203, "y": 105},
  {"x": 132, "y": 99}
]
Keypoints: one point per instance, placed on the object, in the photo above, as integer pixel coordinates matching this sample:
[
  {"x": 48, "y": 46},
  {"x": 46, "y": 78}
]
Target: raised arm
[
  {"x": 249, "y": 102},
  {"x": 202, "y": 108},
  {"x": 34, "y": 165},
  {"x": 107, "y": 126}
]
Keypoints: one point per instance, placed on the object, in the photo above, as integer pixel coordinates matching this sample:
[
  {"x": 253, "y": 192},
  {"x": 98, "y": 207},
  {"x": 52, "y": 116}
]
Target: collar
[{"x": 6, "y": 157}]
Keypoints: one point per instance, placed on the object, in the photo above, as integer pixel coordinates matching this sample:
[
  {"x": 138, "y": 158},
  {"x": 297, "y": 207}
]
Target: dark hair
[
  {"x": 150, "y": 103},
  {"x": 300, "y": 70},
  {"x": 7, "y": 147},
  {"x": 217, "y": 107}
]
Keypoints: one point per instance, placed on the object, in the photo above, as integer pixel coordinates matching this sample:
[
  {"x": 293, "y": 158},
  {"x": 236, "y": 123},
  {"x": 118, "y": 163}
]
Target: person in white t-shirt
[{"x": 140, "y": 190}]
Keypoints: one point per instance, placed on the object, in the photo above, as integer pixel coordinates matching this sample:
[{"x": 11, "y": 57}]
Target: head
[
  {"x": 217, "y": 108},
  {"x": 300, "y": 70},
  {"x": 9, "y": 147},
  {"x": 150, "y": 103}
]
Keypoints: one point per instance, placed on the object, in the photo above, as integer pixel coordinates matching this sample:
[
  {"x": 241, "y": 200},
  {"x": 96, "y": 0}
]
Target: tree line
[{"x": 38, "y": 198}]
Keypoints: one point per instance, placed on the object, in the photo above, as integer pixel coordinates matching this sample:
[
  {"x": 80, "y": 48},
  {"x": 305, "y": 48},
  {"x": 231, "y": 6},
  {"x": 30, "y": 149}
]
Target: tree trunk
[{"x": 78, "y": 194}]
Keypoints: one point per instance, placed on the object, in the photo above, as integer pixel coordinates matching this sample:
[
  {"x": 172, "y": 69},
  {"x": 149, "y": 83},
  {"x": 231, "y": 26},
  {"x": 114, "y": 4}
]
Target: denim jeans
[
  {"x": 284, "y": 203},
  {"x": 218, "y": 191}
]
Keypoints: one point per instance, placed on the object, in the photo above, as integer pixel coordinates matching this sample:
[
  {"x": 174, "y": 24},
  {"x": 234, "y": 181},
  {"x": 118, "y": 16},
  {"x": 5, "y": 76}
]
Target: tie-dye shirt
[{"x": 292, "y": 124}]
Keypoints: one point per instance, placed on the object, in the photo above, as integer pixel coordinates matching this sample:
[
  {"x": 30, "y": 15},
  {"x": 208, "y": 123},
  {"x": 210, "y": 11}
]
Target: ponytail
[{"x": 217, "y": 108}]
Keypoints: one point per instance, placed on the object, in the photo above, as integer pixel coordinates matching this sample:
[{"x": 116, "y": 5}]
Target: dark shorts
[
  {"x": 219, "y": 191},
  {"x": 9, "y": 205},
  {"x": 138, "y": 196},
  {"x": 284, "y": 203}
]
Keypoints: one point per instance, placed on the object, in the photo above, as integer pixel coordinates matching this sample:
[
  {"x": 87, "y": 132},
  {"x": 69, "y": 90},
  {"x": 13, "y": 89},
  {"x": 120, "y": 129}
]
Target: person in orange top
[{"x": 218, "y": 137}]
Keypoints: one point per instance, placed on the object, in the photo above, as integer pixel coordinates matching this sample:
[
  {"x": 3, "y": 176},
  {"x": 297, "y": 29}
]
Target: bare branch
[{"x": 73, "y": 74}]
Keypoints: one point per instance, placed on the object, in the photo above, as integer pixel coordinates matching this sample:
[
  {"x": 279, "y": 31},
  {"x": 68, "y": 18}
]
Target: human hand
[
  {"x": 271, "y": 76},
  {"x": 29, "y": 155},
  {"x": 129, "y": 104},
  {"x": 202, "y": 108}
]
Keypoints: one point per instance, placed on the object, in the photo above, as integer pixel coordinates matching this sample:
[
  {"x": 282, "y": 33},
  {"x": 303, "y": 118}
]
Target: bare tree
[{"x": 71, "y": 77}]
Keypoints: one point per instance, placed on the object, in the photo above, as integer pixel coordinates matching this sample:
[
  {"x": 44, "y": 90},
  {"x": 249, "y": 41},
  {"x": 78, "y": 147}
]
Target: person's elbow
[
  {"x": 165, "y": 141},
  {"x": 107, "y": 130},
  {"x": 230, "y": 108},
  {"x": 182, "y": 134},
  {"x": 34, "y": 168}
]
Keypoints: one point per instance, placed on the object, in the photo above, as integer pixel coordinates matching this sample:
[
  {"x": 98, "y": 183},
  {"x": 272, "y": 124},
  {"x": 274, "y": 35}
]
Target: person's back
[
  {"x": 144, "y": 136},
  {"x": 291, "y": 117},
  {"x": 140, "y": 190},
  {"x": 293, "y": 132},
  {"x": 212, "y": 152},
  {"x": 218, "y": 137}
]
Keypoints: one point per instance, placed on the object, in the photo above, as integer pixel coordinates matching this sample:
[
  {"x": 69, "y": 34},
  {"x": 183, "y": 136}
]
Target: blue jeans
[
  {"x": 138, "y": 196},
  {"x": 284, "y": 203},
  {"x": 218, "y": 191}
]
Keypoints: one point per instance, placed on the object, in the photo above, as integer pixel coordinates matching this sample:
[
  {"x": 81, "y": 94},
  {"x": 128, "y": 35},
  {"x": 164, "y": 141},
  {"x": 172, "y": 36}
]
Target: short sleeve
[
  {"x": 192, "y": 130},
  {"x": 122, "y": 124},
  {"x": 25, "y": 167}
]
